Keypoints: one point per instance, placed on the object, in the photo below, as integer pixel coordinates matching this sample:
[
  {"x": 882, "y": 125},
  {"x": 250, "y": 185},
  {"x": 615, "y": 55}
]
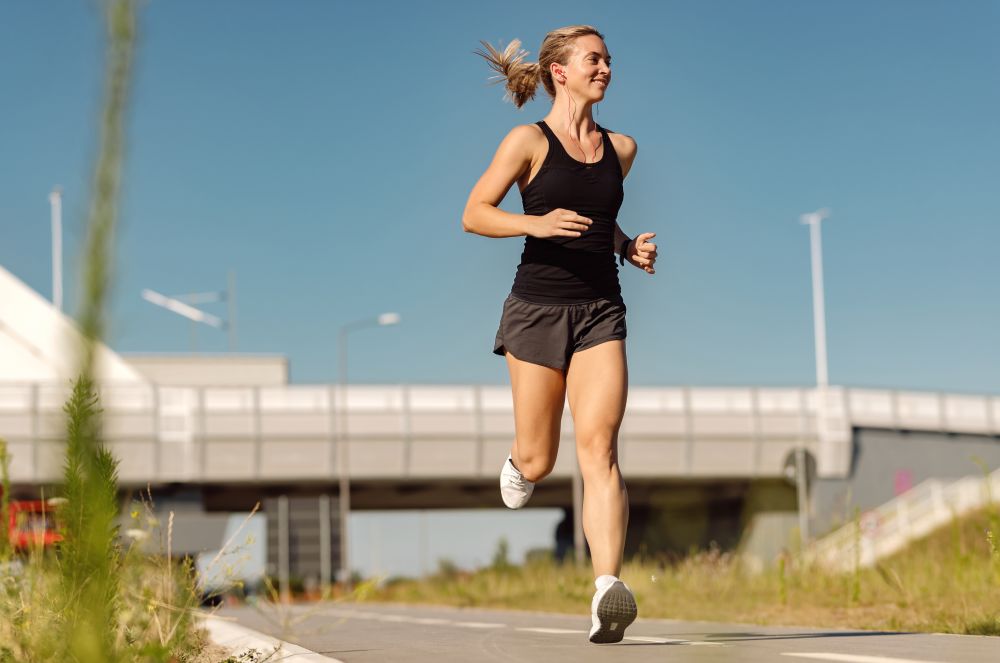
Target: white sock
[{"x": 604, "y": 581}]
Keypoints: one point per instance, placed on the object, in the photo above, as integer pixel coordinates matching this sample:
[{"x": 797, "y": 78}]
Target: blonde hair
[{"x": 522, "y": 77}]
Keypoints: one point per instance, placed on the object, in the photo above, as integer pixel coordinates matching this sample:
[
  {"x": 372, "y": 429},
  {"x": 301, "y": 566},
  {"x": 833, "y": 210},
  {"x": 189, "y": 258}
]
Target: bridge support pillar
[{"x": 306, "y": 542}]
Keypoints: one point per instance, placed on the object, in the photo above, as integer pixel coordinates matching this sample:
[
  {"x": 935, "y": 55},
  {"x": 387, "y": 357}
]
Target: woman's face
[{"x": 588, "y": 71}]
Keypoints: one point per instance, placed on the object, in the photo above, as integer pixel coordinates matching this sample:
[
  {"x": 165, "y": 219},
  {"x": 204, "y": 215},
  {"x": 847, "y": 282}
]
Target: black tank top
[{"x": 570, "y": 270}]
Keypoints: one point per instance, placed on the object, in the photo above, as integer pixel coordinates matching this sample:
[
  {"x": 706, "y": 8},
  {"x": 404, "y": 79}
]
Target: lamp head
[{"x": 815, "y": 217}]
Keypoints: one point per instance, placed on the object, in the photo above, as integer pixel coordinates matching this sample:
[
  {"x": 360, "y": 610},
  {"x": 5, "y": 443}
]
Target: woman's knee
[
  {"x": 597, "y": 451},
  {"x": 535, "y": 466}
]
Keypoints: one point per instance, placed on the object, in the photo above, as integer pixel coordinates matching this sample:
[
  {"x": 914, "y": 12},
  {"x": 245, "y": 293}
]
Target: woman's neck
[{"x": 571, "y": 116}]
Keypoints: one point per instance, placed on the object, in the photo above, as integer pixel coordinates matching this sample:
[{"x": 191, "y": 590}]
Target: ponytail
[{"x": 521, "y": 77}]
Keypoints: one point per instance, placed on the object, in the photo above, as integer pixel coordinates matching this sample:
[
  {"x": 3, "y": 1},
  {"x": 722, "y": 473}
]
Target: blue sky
[{"x": 324, "y": 151}]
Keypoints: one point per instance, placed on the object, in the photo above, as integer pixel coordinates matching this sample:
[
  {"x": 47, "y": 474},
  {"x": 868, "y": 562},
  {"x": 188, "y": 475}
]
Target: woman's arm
[
  {"x": 620, "y": 238},
  {"x": 640, "y": 251},
  {"x": 511, "y": 162}
]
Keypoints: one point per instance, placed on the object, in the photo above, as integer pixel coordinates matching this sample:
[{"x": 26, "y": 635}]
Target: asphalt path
[{"x": 368, "y": 632}]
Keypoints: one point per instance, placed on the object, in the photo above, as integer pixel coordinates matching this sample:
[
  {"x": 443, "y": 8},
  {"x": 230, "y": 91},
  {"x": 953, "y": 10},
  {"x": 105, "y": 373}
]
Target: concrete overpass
[
  {"x": 715, "y": 460},
  {"x": 287, "y": 434}
]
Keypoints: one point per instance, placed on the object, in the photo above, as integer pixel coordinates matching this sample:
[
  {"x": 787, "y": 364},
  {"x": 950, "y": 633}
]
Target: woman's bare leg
[
  {"x": 539, "y": 394},
  {"x": 597, "y": 381}
]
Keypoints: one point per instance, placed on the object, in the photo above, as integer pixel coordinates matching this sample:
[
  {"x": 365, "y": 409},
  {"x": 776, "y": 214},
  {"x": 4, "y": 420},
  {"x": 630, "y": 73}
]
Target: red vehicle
[{"x": 32, "y": 524}]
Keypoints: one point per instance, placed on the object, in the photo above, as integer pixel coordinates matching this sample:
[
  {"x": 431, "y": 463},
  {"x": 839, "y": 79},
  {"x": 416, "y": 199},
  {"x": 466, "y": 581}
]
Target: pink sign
[{"x": 904, "y": 481}]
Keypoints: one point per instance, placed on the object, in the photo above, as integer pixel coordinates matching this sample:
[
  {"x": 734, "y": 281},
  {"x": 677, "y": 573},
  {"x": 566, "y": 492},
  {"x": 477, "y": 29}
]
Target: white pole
[
  {"x": 344, "y": 480},
  {"x": 579, "y": 554},
  {"x": 325, "y": 561},
  {"x": 231, "y": 304},
  {"x": 343, "y": 455},
  {"x": 801, "y": 495},
  {"x": 423, "y": 542},
  {"x": 813, "y": 220},
  {"x": 819, "y": 305},
  {"x": 377, "y": 526},
  {"x": 55, "y": 203},
  {"x": 801, "y": 477},
  {"x": 284, "y": 563}
]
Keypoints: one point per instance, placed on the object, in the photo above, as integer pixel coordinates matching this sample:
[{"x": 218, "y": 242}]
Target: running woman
[{"x": 562, "y": 329}]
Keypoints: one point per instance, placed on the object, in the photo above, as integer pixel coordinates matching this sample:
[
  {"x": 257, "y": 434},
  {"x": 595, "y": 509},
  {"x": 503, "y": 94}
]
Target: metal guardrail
[{"x": 283, "y": 433}]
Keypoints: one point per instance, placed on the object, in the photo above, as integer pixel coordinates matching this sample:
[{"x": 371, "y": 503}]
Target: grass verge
[
  {"x": 947, "y": 582},
  {"x": 91, "y": 598}
]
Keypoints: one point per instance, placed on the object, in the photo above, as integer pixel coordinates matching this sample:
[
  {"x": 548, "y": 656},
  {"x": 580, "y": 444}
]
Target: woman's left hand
[{"x": 642, "y": 252}]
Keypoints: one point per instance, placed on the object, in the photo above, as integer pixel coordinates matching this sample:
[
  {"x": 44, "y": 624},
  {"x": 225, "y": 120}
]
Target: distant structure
[
  {"x": 214, "y": 434},
  {"x": 38, "y": 342}
]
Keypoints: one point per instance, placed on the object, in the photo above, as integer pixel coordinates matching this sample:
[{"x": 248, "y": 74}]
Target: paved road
[{"x": 366, "y": 632}]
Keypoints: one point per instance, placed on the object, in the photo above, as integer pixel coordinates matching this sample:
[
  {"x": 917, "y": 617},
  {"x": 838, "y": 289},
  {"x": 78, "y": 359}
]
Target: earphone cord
[{"x": 572, "y": 112}]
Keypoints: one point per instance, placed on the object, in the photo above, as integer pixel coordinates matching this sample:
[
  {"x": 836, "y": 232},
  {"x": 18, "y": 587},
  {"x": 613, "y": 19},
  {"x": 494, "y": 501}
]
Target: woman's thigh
[
  {"x": 539, "y": 394},
  {"x": 597, "y": 385}
]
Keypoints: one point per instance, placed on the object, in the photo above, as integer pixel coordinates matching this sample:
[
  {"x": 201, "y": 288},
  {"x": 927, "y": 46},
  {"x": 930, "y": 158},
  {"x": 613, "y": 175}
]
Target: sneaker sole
[{"x": 615, "y": 612}]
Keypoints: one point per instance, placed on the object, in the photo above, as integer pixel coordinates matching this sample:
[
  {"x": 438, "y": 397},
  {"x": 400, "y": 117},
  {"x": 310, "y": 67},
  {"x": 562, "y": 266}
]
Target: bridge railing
[
  {"x": 290, "y": 432},
  {"x": 889, "y": 528}
]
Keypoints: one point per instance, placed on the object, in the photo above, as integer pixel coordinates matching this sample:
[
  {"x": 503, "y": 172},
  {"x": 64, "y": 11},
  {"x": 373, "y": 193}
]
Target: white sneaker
[
  {"x": 514, "y": 488},
  {"x": 611, "y": 611}
]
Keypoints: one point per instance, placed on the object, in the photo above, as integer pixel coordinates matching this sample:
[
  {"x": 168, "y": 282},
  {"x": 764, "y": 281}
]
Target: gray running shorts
[{"x": 549, "y": 334}]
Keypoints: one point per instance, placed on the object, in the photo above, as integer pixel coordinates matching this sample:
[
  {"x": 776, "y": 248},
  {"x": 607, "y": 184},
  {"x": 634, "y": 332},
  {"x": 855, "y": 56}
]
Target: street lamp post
[
  {"x": 182, "y": 305},
  {"x": 344, "y": 501},
  {"x": 55, "y": 203},
  {"x": 813, "y": 220},
  {"x": 182, "y": 308}
]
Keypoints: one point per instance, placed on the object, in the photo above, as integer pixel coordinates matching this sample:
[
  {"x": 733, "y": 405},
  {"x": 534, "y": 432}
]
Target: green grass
[
  {"x": 97, "y": 597},
  {"x": 93, "y": 599},
  {"x": 947, "y": 582}
]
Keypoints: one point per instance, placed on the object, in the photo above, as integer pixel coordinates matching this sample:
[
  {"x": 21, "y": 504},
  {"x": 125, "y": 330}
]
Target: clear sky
[{"x": 324, "y": 152}]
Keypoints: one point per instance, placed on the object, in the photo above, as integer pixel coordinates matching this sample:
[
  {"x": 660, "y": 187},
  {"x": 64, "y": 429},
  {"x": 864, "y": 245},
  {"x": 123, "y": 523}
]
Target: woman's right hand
[{"x": 559, "y": 223}]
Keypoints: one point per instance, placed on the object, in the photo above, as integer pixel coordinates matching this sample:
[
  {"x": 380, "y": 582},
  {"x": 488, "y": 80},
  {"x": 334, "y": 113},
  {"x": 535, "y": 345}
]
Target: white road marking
[
  {"x": 429, "y": 620},
  {"x": 359, "y": 614},
  {"x": 478, "y": 625},
  {"x": 404, "y": 619},
  {"x": 379, "y": 617},
  {"x": 855, "y": 658}
]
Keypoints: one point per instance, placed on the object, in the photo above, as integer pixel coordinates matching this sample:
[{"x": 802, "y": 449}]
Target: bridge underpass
[{"x": 666, "y": 518}]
